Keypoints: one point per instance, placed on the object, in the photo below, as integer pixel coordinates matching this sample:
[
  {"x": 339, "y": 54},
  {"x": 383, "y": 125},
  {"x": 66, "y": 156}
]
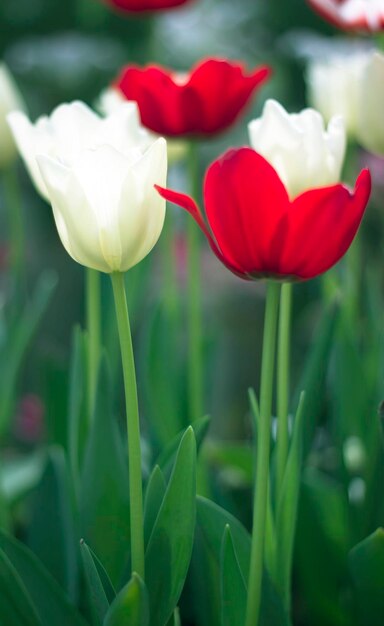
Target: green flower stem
[
  {"x": 283, "y": 356},
  {"x": 263, "y": 452},
  {"x": 93, "y": 322},
  {"x": 133, "y": 425},
  {"x": 195, "y": 356},
  {"x": 15, "y": 222}
]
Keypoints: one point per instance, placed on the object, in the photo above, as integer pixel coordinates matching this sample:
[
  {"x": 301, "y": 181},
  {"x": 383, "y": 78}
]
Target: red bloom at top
[
  {"x": 205, "y": 101},
  {"x": 256, "y": 230},
  {"x": 359, "y": 15},
  {"x": 140, "y": 6}
]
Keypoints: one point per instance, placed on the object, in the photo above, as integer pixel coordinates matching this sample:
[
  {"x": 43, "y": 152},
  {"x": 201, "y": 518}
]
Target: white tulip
[
  {"x": 304, "y": 153},
  {"x": 73, "y": 128},
  {"x": 10, "y": 100},
  {"x": 370, "y": 124},
  {"x": 107, "y": 211},
  {"x": 334, "y": 86}
]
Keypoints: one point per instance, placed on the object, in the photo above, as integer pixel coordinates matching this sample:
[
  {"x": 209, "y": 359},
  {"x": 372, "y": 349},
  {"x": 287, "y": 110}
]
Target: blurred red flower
[
  {"x": 204, "y": 101},
  {"x": 139, "y": 6},
  {"x": 361, "y": 15},
  {"x": 257, "y": 231}
]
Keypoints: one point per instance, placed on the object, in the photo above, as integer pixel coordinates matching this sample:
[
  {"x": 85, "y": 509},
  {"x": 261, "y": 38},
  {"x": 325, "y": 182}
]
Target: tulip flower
[
  {"x": 71, "y": 129},
  {"x": 334, "y": 85},
  {"x": 202, "y": 102},
  {"x": 10, "y": 100},
  {"x": 279, "y": 212},
  {"x": 106, "y": 210},
  {"x": 370, "y": 118},
  {"x": 357, "y": 15},
  {"x": 142, "y": 6},
  {"x": 304, "y": 154}
]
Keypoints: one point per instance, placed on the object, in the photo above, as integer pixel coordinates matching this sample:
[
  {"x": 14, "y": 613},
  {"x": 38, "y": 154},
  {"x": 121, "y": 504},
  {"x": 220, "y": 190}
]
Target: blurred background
[{"x": 59, "y": 51}]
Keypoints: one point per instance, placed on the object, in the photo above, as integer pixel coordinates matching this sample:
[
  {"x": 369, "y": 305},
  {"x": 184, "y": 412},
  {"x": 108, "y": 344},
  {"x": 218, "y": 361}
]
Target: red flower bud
[
  {"x": 357, "y": 15},
  {"x": 141, "y": 6},
  {"x": 205, "y": 101},
  {"x": 257, "y": 231}
]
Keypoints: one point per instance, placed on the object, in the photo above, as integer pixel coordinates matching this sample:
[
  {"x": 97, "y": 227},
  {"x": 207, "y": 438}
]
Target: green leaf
[
  {"x": 170, "y": 545},
  {"x": 323, "y": 531},
  {"x": 16, "y": 607},
  {"x": 314, "y": 374},
  {"x": 233, "y": 588},
  {"x": 154, "y": 495},
  {"x": 211, "y": 521},
  {"x": 51, "y": 604},
  {"x": 287, "y": 507},
  {"x": 18, "y": 341},
  {"x": 51, "y": 533},
  {"x": 98, "y": 601},
  {"x": 104, "y": 500},
  {"x": 130, "y": 608},
  {"x": 164, "y": 393},
  {"x": 109, "y": 589},
  {"x": 366, "y": 563},
  {"x": 77, "y": 413},
  {"x": 167, "y": 457}
]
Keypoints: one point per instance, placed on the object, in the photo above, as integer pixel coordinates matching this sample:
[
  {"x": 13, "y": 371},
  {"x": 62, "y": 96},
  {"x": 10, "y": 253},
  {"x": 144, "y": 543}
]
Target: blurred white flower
[
  {"x": 370, "y": 122},
  {"x": 109, "y": 102},
  {"x": 10, "y": 100},
  {"x": 302, "y": 151},
  {"x": 73, "y": 128},
  {"x": 333, "y": 86},
  {"x": 107, "y": 211},
  {"x": 361, "y": 15}
]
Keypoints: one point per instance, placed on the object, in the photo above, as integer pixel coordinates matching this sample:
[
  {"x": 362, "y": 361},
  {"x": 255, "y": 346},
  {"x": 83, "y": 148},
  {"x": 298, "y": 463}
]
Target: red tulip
[
  {"x": 257, "y": 231},
  {"x": 360, "y": 15},
  {"x": 205, "y": 101},
  {"x": 140, "y": 6}
]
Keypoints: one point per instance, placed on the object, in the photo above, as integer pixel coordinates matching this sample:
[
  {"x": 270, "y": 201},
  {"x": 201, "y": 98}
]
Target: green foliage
[
  {"x": 366, "y": 562},
  {"x": 18, "y": 339},
  {"x": 233, "y": 587},
  {"x": 170, "y": 544},
  {"x": 130, "y": 606},
  {"x": 103, "y": 493},
  {"x": 51, "y": 605},
  {"x": 16, "y": 606},
  {"x": 51, "y": 533}
]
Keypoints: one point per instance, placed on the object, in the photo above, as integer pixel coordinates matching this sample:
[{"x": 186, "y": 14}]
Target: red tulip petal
[
  {"x": 321, "y": 226},
  {"x": 246, "y": 205},
  {"x": 187, "y": 203},
  {"x": 208, "y": 101},
  {"x": 142, "y": 6}
]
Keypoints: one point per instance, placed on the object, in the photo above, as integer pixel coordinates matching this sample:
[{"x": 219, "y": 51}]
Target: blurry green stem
[
  {"x": 195, "y": 357},
  {"x": 169, "y": 265},
  {"x": 15, "y": 221},
  {"x": 93, "y": 304},
  {"x": 263, "y": 453},
  {"x": 283, "y": 356},
  {"x": 133, "y": 425}
]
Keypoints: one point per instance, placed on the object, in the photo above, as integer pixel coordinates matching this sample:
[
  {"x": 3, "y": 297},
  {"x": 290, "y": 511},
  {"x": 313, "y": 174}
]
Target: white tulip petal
[
  {"x": 75, "y": 220},
  {"x": 142, "y": 209},
  {"x": 304, "y": 154},
  {"x": 99, "y": 176},
  {"x": 27, "y": 141}
]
